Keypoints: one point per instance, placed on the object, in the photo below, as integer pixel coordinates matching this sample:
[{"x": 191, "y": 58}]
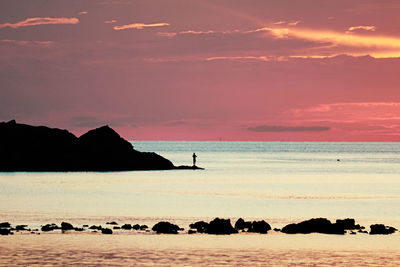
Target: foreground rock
[
  {"x": 216, "y": 227},
  {"x": 318, "y": 225},
  {"x": 261, "y": 227},
  {"x": 39, "y": 148},
  {"x": 165, "y": 228},
  {"x": 381, "y": 229}
]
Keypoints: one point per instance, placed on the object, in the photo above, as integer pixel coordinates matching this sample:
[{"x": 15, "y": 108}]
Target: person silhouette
[{"x": 194, "y": 159}]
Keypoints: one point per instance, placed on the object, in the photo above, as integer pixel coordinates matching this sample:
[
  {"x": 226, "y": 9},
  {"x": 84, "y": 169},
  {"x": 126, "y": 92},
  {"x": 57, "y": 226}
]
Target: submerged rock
[
  {"x": 381, "y": 229},
  {"x": 165, "y": 228}
]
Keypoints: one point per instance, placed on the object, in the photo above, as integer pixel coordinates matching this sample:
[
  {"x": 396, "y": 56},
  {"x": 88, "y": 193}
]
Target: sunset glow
[{"x": 205, "y": 70}]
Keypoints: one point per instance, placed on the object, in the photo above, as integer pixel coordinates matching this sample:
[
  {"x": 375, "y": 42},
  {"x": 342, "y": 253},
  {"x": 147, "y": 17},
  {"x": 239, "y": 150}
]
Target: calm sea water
[{"x": 277, "y": 181}]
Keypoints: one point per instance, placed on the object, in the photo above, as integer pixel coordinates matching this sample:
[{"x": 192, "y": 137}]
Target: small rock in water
[
  {"x": 94, "y": 227},
  {"x": 5, "y": 231},
  {"x": 220, "y": 227},
  {"x": 261, "y": 227},
  {"x": 21, "y": 227},
  {"x": 200, "y": 226},
  {"x": 112, "y": 223},
  {"x": 136, "y": 227},
  {"x": 116, "y": 227},
  {"x": 143, "y": 227},
  {"x": 165, "y": 228},
  {"x": 5, "y": 225},
  {"x": 106, "y": 231},
  {"x": 49, "y": 227},
  {"x": 66, "y": 226},
  {"x": 381, "y": 229},
  {"x": 126, "y": 226}
]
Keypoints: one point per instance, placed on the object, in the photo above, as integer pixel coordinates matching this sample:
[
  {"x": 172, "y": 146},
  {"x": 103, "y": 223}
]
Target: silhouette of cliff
[{"x": 39, "y": 148}]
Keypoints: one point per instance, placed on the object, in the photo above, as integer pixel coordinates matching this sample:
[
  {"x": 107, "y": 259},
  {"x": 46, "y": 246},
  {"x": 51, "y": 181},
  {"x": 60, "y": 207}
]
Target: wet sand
[{"x": 119, "y": 249}]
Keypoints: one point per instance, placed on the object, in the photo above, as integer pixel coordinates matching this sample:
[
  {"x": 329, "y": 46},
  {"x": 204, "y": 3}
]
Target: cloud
[
  {"x": 261, "y": 58},
  {"x": 276, "y": 128},
  {"x": 366, "y": 28},
  {"x": 27, "y": 43},
  {"x": 140, "y": 26},
  {"x": 110, "y": 21},
  {"x": 83, "y": 13},
  {"x": 39, "y": 21}
]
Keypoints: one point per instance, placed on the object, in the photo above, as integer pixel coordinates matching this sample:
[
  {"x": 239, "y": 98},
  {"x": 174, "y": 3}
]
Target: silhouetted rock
[
  {"x": 277, "y": 229},
  {"x": 136, "y": 227},
  {"x": 143, "y": 227},
  {"x": 39, "y": 148},
  {"x": 49, "y": 227},
  {"x": 126, "y": 226},
  {"x": 94, "y": 227},
  {"x": 112, "y": 223},
  {"x": 261, "y": 227},
  {"x": 21, "y": 227},
  {"x": 241, "y": 224},
  {"x": 348, "y": 224},
  {"x": 201, "y": 226},
  {"x": 381, "y": 229},
  {"x": 220, "y": 227},
  {"x": 5, "y": 231},
  {"x": 319, "y": 225},
  {"x": 106, "y": 231},
  {"x": 191, "y": 232},
  {"x": 5, "y": 225},
  {"x": 66, "y": 226},
  {"x": 116, "y": 227},
  {"x": 165, "y": 228}
]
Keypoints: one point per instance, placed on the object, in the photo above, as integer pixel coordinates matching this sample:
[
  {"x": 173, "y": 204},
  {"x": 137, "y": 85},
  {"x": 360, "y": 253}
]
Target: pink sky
[{"x": 288, "y": 70}]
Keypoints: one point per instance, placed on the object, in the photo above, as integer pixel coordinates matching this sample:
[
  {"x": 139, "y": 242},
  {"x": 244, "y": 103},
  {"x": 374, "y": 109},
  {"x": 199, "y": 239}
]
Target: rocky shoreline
[
  {"x": 42, "y": 149},
  {"x": 218, "y": 226}
]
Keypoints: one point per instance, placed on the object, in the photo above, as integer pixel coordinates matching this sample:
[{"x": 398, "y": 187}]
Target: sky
[{"x": 231, "y": 70}]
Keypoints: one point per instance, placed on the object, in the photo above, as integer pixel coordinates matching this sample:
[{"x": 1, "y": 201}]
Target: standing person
[{"x": 194, "y": 159}]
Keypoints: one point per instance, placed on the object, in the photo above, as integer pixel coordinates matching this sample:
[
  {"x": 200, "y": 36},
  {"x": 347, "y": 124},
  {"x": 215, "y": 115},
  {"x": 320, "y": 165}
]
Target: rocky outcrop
[
  {"x": 318, "y": 225},
  {"x": 381, "y": 229},
  {"x": 39, "y": 148},
  {"x": 165, "y": 228},
  {"x": 216, "y": 227}
]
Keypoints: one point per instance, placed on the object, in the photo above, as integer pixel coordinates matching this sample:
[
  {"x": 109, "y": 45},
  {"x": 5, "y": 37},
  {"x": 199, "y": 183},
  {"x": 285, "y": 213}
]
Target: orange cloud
[
  {"x": 110, "y": 21},
  {"x": 40, "y": 21},
  {"x": 366, "y": 28},
  {"x": 139, "y": 26},
  {"x": 26, "y": 43},
  {"x": 261, "y": 58},
  {"x": 83, "y": 13}
]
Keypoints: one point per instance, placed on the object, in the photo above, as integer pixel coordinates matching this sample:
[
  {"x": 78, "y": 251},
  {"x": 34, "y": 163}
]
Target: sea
[{"x": 279, "y": 182}]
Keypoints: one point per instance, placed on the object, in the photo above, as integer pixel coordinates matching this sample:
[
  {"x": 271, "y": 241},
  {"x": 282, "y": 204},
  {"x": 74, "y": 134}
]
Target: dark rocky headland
[{"x": 40, "y": 148}]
